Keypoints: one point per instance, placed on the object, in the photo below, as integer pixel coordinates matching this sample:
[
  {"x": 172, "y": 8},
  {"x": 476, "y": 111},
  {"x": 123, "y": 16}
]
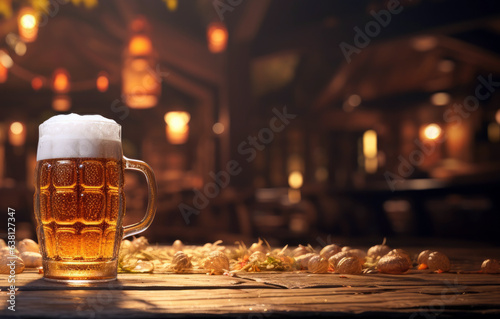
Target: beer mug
[{"x": 79, "y": 198}]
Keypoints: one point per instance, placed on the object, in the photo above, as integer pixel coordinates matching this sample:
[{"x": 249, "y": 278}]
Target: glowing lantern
[
  {"x": 27, "y": 24},
  {"x": 102, "y": 82},
  {"x": 60, "y": 81},
  {"x": 370, "y": 151},
  {"x": 295, "y": 180},
  {"x": 217, "y": 37},
  {"x": 141, "y": 85},
  {"x": 17, "y": 134},
  {"x": 36, "y": 83},
  {"x": 177, "y": 127},
  {"x": 431, "y": 131}
]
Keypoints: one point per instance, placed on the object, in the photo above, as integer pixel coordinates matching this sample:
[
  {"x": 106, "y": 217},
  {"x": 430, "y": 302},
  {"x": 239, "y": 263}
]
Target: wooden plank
[
  {"x": 413, "y": 278},
  {"x": 31, "y": 280},
  {"x": 263, "y": 302}
]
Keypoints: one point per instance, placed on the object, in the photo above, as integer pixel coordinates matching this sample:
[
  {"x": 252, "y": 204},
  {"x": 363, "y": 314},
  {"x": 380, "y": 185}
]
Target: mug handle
[{"x": 144, "y": 168}]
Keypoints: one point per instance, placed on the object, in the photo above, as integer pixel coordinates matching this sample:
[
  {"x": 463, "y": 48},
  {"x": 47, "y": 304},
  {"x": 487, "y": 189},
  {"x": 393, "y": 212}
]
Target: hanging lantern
[
  {"x": 17, "y": 134},
  {"x": 141, "y": 85},
  {"x": 102, "y": 82},
  {"x": 217, "y": 37},
  {"x": 177, "y": 127},
  {"x": 27, "y": 23}
]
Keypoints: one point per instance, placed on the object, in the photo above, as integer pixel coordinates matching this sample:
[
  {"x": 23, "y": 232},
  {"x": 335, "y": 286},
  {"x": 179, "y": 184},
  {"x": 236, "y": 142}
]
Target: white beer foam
[{"x": 73, "y": 135}]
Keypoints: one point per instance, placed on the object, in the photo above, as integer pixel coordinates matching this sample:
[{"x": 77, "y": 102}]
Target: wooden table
[{"x": 266, "y": 295}]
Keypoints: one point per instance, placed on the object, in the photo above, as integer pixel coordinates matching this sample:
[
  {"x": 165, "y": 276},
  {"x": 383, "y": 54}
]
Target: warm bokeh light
[
  {"x": 295, "y": 180},
  {"x": 440, "y": 98},
  {"x": 432, "y": 131},
  {"x": 497, "y": 116},
  {"x": 446, "y": 66},
  {"x": 16, "y": 128},
  {"x": 27, "y": 24},
  {"x": 294, "y": 196},
  {"x": 177, "y": 119},
  {"x": 102, "y": 82},
  {"x": 370, "y": 144},
  {"x": 61, "y": 103},
  {"x": 172, "y": 5},
  {"x": 36, "y": 83},
  {"x": 140, "y": 45},
  {"x": 371, "y": 165},
  {"x": 217, "y": 37},
  {"x": 4, "y": 73},
  {"x": 354, "y": 100},
  {"x": 424, "y": 43},
  {"x": 218, "y": 128},
  {"x": 60, "y": 81},
  {"x": 17, "y": 134},
  {"x": 5, "y": 59},
  {"x": 494, "y": 132},
  {"x": 20, "y": 48},
  {"x": 177, "y": 127}
]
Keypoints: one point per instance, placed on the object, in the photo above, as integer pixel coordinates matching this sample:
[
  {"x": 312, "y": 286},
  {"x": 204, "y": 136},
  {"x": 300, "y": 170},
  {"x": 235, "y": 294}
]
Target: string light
[
  {"x": 60, "y": 81},
  {"x": 36, "y": 83},
  {"x": 27, "y": 23},
  {"x": 102, "y": 82},
  {"x": 217, "y": 37}
]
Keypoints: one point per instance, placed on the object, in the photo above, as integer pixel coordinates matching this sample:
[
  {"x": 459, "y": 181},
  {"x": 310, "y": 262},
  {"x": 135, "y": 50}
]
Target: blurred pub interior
[{"x": 289, "y": 120}]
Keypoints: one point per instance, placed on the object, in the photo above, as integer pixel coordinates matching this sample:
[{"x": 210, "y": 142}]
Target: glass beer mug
[{"x": 79, "y": 198}]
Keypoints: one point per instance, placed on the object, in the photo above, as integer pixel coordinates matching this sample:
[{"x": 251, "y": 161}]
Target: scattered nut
[
  {"x": 180, "y": 262},
  {"x": 216, "y": 263},
  {"x": 317, "y": 265},
  {"x": 303, "y": 260},
  {"x": 378, "y": 251},
  {"x": 11, "y": 262},
  {"x": 302, "y": 250},
  {"x": 178, "y": 245},
  {"x": 393, "y": 264},
  {"x": 349, "y": 265},
  {"x": 490, "y": 266},
  {"x": 28, "y": 245},
  {"x": 31, "y": 259},
  {"x": 422, "y": 259},
  {"x": 330, "y": 250},
  {"x": 401, "y": 252},
  {"x": 438, "y": 262}
]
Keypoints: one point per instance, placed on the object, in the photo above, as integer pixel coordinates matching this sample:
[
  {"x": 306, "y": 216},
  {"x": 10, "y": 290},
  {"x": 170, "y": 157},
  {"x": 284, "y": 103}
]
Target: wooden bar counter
[{"x": 416, "y": 294}]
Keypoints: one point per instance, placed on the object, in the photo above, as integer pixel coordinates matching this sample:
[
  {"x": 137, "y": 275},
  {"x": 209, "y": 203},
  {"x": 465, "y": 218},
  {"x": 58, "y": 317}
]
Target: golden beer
[{"x": 79, "y": 199}]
